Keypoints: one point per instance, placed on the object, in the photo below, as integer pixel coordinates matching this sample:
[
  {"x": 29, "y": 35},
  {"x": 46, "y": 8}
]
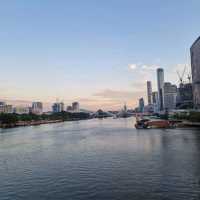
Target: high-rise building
[
  {"x": 141, "y": 105},
  {"x": 58, "y": 107},
  {"x": 149, "y": 92},
  {"x": 185, "y": 96},
  {"x": 170, "y": 96},
  {"x": 37, "y": 108},
  {"x": 155, "y": 101},
  {"x": 75, "y": 106},
  {"x": 160, "y": 82},
  {"x": 155, "y": 97},
  {"x": 195, "y": 64}
]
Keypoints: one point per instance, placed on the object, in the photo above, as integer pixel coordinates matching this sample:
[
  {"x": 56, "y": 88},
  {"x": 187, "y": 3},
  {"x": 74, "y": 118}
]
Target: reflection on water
[{"x": 99, "y": 159}]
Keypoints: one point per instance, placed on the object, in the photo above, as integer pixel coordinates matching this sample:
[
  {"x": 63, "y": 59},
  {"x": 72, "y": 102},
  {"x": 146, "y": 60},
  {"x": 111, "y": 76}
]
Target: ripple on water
[{"x": 99, "y": 159}]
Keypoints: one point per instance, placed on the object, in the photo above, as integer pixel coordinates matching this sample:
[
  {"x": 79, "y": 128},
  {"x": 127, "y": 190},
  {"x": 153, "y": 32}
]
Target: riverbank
[
  {"x": 186, "y": 124},
  {"x": 14, "y": 120},
  {"x": 29, "y": 123}
]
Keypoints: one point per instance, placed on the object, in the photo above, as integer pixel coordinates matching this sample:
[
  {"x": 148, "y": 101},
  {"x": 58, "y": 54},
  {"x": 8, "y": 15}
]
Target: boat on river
[{"x": 142, "y": 123}]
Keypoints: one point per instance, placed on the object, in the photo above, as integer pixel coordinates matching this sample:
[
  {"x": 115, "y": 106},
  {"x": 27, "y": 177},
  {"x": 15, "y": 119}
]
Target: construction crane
[
  {"x": 189, "y": 78},
  {"x": 181, "y": 75}
]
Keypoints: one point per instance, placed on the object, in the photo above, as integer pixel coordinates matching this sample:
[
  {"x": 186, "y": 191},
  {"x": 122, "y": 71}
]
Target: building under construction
[
  {"x": 185, "y": 96},
  {"x": 185, "y": 92}
]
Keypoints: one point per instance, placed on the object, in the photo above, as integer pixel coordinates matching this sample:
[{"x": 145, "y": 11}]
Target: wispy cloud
[
  {"x": 141, "y": 66},
  {"x": 138, "y": 86},
  {"x": 114, "y": 94},
  {"x": 143, "y": 72},
  {"x": 150, "y": 67},
  {"x": 132, "y": 66},
  {"x": 118, "y": 97}
]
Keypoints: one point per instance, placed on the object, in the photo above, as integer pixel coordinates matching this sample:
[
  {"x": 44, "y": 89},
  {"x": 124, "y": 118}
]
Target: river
[{"x": 99, "y": 160}]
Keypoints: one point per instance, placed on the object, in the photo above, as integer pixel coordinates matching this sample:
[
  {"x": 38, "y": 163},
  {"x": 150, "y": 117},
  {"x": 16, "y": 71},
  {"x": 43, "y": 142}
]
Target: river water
[{"x": 99, "y": 159}]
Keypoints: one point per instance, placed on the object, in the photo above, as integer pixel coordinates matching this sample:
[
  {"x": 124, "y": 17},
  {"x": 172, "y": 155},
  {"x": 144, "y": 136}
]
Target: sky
[{"x": 97, "y": 52}]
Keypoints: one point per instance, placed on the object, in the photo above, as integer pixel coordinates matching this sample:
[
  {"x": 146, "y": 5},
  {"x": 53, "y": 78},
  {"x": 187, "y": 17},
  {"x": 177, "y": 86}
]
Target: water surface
[{"x": 97, "y": 160}]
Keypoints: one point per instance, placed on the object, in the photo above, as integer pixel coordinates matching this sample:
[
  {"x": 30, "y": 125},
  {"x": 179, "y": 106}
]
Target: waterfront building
[
  {"x": 75, "y": 107},
  {"x": 160, "y": 84},
  {"x": 155, "y": 97},
  {"x": 141, "y": 105},
  {"x": 155, "y": 102},
  {"x": 58, "y": 107},
  {"x": 149, "y": 108},
  {"x": 2, "y": 103},
  {"x": 6, "y": 108},
  {"x": 185, "y": 96},
  {"x": 69, "y": 108},
  {"x": 195, "y": 64},
  {"x": 21, "y": 110},
  {"x": 149, "y": 92},
  {"x": 170, "y": 96},
  {"x": 37, "y": 108}
]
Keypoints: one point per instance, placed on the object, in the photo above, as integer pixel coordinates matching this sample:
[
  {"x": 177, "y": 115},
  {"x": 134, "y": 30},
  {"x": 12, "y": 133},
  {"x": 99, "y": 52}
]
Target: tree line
[{"x": 13, "y": 118}]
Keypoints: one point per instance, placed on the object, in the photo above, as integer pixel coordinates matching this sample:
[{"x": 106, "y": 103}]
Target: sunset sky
[{"x": 97, "y": 52}]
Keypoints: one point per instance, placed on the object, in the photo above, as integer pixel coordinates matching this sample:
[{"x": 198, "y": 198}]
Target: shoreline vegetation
[
  {"x": 188, "y": 119},
  {"x": 189, "y": 116},
  {"x": 16, "y": 120}
]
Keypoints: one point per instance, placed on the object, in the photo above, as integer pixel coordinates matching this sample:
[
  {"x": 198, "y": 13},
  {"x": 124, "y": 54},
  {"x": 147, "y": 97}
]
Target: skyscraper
[
  {"x": 141, "y": 105},
  {"x": 160, "y": 82},
  {"x": 149, "y": 92},
  {"x": 155, "y": 101},
  {"x": 195, "y": 64},
  {"x": 155, "y": 97},
  {"x": 170, "y": 96}
]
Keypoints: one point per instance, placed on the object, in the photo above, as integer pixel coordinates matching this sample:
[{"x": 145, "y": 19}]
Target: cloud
[
  {"x": 139, "y": 86},
  {"x": 116, "y": 98},
  {"x": 140, "y": 66},
  {"x": 132, "y": 66},
  {"x": 115, "y": 94},
  {"x": 150, "y": 67}
]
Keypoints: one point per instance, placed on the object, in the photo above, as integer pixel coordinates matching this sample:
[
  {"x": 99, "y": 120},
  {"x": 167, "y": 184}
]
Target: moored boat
[
  {"x": 159, "y": 124},
  {"x": 141, "y": 124},
  {"x": 153, "y": 123}
]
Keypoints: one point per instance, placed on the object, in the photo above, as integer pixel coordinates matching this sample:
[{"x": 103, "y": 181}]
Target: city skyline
[{"x": 100, "y": 57}]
